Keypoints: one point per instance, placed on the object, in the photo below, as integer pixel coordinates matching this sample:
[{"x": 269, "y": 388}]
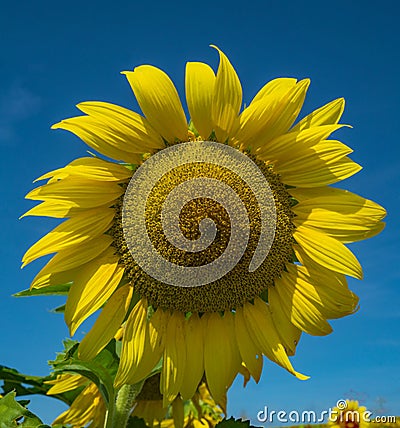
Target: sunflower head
[
  {"x": 349, "y": 414},
  {"x": 212, "y": 243}
]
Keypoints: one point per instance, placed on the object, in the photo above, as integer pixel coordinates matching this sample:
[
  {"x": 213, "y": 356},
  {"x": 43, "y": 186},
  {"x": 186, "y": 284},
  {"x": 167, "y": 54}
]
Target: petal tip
[{"x": 301, "y": 376}]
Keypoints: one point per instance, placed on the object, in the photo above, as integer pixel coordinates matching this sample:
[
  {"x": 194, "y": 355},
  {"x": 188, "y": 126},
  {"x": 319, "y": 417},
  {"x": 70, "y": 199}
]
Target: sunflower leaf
[
  {"x": 101, "y": 370},
  {"x": 61, "y": 289},
  {"x": 13, "y": 414},
  {"x": 22, "y": 385},
  {"x": 58, "y": 310}
]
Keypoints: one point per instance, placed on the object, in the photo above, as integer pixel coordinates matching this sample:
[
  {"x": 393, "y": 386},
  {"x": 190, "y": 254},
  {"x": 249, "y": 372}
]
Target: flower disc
[{"x": 205, "y": 226}]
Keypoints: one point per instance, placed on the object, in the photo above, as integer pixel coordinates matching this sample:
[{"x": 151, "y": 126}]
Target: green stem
[{"x": 118, "y": 413}]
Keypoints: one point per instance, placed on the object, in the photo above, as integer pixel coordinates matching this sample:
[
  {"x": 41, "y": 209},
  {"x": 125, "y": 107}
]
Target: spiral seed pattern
[{"x": 203, "y": 227}]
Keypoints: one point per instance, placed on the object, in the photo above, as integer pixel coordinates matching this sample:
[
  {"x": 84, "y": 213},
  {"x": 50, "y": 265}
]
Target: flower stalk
[{"x": 119, "y": 411}]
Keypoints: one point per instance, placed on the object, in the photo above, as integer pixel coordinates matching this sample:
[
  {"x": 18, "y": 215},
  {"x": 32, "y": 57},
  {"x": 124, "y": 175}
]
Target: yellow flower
[
  {"x": 87, "y": 408},
  {"x": 349, "y": 414},
  {"x": 291, "y": 276}
]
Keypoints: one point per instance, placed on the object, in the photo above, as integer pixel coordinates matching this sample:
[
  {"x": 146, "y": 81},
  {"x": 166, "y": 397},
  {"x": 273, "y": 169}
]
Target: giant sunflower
[{"x": 218, "y": 328}]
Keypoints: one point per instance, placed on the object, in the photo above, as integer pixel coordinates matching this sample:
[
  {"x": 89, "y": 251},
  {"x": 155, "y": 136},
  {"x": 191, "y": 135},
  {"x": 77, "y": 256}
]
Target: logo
[{"x": 174, "y": 158}]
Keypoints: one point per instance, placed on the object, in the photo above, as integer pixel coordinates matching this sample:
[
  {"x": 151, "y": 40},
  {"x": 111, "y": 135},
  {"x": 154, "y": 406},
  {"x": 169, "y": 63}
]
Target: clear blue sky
[{"x": 56, "y": 54}]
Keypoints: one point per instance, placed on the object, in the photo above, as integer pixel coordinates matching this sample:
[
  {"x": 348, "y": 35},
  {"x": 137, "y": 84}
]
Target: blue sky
[{"x": 56, "y": 55}]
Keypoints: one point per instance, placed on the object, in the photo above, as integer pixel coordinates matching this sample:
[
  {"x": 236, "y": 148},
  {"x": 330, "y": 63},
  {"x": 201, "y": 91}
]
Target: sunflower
[
  {"x": 349, "y": 414},
  {"x": 289, "y": 278}
]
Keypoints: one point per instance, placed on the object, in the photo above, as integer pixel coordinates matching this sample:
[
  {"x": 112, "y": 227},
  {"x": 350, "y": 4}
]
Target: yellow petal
[
  {"x": 327, "y": 251},
  {"x": 260, "y": 115},
  {"x": 62, "y": 264},
  {"x": 351, "y": 235},
  {"x": 321, "y": 155},
  {"x": 342, "y": 202},
  {"x": 194, "y": 368},
  {"x": 326, "y": 289},
  {"x": 56, "y": 278},
  {"x": 221, "y": 354},
  {"x": 303, "y": 314},
  {"x": 100, "y": 137},
  {"x": 200, "y": 83},
  {"x": 281, "y": 85},
  {"x": 340, "y": 214},
  {"x": 153, "y": 346},
  {"x": 92, "y": 287},
  {"x": 263, "y": 332},
  {"x": 81, "y": 228},
  {"x": 87, "y": 407},
  {"x": 304, "y": 193},
  {"x": 56, "y": 209},
  {"x": 66, "y": 382},
  {"x": 132, "y": 343},
  {"x": 59, "y": 175},
  {"x": 227, "y": 98},
  {"x": 79, "y": 192},
  {"x": 174, "y": 359},
  {"x": 139, "y": 135},
  {"x": 107, "y": 324},
  {"x": 92, "y": 169},
  {"x": 245, "y": 373},
  {"x": 251, "y": 355},
  {"x": 178, "y": 412},
  {"x": 328, "y": 114},
  {"x": 159, "y": 101},
  {"x": 71, "y": 258},
  {"x": 288, "y": 332},
  {"x": 289, "y": 146},
  {"x": 312, "y": 296},
  {"x": 283, "y": 115},
  {"x": 321, "y": 172}
]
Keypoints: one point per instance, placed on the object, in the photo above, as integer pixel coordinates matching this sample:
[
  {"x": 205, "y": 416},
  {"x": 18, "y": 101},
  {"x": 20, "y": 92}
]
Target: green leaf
[
  {"x": 234, "y": 423},
  {"x": 70, "y": 347},
  {"x": 101, "y": 370},
  {"x": 61, "y": 289},
  {"x": 23, "y": 385},
  {"x": 118, "y": 348},
  {"x": 130, "y": 166},
  {"x": 13, "y": 414},
  {"x": 193, "y": 128},
  {"x": 20, "y": 383},
  {"x": 58, "y": 310}
]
